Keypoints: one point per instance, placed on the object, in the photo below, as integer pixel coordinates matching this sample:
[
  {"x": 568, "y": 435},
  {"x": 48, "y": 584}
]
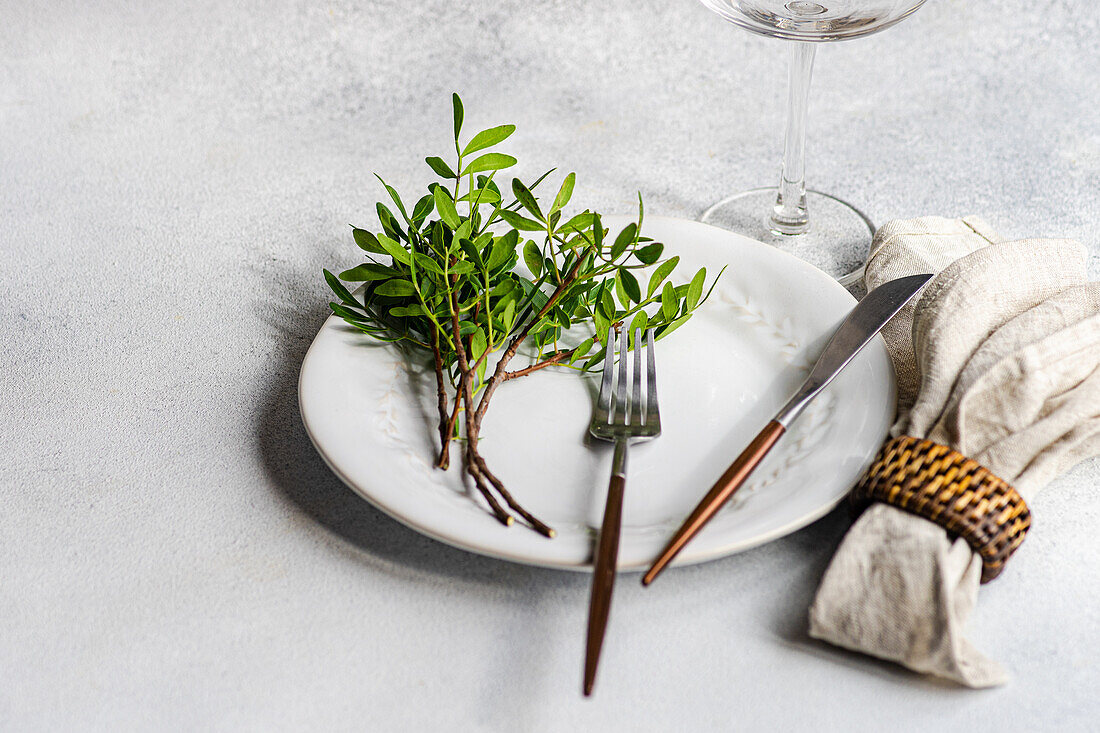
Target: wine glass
[{"x": 838, "y": 237}]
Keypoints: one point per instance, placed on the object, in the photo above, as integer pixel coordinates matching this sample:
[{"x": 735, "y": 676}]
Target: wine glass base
[{"x": 838, "y": 240}]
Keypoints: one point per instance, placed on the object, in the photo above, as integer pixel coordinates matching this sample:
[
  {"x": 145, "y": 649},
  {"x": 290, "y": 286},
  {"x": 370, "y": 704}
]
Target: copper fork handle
[
  {"x": 719, "y": 494},
  {"x": 603, "y": 579}
]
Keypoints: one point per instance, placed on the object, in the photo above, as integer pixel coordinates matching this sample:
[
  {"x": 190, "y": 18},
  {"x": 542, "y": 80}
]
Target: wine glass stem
[{"x": 789, "y": 216}]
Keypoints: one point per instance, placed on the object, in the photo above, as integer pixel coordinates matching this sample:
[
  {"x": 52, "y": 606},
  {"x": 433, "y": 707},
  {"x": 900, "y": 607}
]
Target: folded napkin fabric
[{"x": 1000, "y": 360}]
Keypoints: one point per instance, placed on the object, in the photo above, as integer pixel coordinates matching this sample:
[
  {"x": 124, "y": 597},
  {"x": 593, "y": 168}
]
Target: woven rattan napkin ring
[{"x": 945, "y": 487}]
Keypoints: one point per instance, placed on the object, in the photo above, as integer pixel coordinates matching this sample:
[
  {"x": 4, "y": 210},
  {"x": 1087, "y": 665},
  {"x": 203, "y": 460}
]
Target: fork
[{"x": 621, "y": 421}]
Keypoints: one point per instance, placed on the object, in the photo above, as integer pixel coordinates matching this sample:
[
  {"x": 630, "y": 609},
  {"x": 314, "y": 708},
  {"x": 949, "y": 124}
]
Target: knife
[{"x": 855, "y": 332}]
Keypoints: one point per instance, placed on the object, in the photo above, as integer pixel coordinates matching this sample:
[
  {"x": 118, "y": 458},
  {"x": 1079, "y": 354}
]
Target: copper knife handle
[
  {"x": 723, "y": 489},
  {"x": 603, "y": 579}
]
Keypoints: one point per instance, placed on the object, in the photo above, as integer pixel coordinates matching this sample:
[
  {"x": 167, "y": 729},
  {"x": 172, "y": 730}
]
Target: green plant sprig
[{"x": 445, "y": 277}]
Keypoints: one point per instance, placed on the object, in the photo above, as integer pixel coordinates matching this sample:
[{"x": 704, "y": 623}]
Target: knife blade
[{"x": 854, "y": 333}]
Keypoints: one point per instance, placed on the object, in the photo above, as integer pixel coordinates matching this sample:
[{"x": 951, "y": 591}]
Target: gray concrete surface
[{"x": 173, "y": 176}]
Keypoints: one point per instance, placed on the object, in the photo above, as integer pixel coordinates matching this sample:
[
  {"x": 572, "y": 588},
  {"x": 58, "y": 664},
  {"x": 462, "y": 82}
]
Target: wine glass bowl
[{"x": 800, "y": 20}]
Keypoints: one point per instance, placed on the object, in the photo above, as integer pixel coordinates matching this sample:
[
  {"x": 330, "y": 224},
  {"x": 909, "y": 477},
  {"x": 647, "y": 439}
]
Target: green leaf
[
  {"x": 564, "y": 193},
  {"x": 713, "y": 284},
  {"x": 487, "y": 182},
  {"x": 483, "y": 240},
  {"x": 488, "y": 138},
  {"x": 423, "y": 208},
  {"x": 366, "y": 272},
  {"x": 394, "y": 250},
  {"x": 551, "y": 268},
  {"x": 599, "y": 357},
  {"x": 569, "y": 244},
  {"x": 607, "y": 303},
  {"x": 695, "y": 289},
  {"x": 347, "y": 314},
  {"x": 424, "y": 262},
  {"x": 440, "y": 166},
  {"x": 341, "y": 292},
  {"x": 582, "y": 350},
  {"x": 597, "y": 292},
  {"x": 389, "y": 221},
  {"x": 471, "y": 251},
  {"x": 464, "y": 229},
  {"x": 456, "y": 105},
  {"x": 367, "y": 241},
  {"x": 639, "y": 322},
  {"x": 620, "y": 291},
  {"x": 580, "y": 222},
  {"x": 408, "y": 310},
  {"x": 526, "y": 198},
  {"x": 489, "y": 162},
  {"x": 570, "y": 303},
  {"x": 396, "y": 288},
  {"x": 446, "y": 208},
  {"x": 518, "y": 221},
  {"x": 503, "y": 248},
  {"x": 625, "y": 238},
  {"x": 503, "y": 288},
  {"x": 669, "y": 302},
  {"x": 394, "y": 196},
  {"x": 482, "y": 195},
  {"x": 478, "y": 344},
  {"x": 532, "y": 255},
  {"x": 509, "y": 316},
  {"x": 372, "y": 331},
  {"x": 601, "y": 322},
  {"x": 649, "y": 253},
  {"x": 669, "y": 328},
  {"x": 630, "y": 285},
  {"x": 663, "y": 270},
  {"x": 540, "y": 179},
  {"x": 535, "y": 299}
]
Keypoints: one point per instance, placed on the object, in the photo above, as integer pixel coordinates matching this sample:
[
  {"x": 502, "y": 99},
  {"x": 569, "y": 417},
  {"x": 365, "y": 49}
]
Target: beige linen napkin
[{"x": 999, "y": 359}]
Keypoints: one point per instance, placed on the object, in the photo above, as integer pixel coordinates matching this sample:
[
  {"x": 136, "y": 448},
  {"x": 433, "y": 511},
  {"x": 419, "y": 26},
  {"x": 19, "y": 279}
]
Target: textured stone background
[{"x": 173, "y": 553}]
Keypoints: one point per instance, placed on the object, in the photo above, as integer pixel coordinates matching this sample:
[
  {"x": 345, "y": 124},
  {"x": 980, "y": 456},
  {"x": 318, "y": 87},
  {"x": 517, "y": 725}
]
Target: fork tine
[
  {"x": 621, "y": 404},
  {"x": 652, "y": 416},
  {"x": 603, "y": 404},
  {"x": 636, "y": 391}
]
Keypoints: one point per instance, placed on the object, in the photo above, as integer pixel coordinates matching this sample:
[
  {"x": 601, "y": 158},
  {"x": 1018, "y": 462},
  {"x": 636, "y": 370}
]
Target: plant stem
[
  {"x": 498, "y": 374},
  {"x": 538, "y": 525},
  {"x": 475, "y": 473},
  {"x": 441, "y": 397},
  {"x": 556, "y": 358},
  {"x": 450, "y": 431},
  {"x": 475, "y": 464},
  {"x": 471, "y": 436}
]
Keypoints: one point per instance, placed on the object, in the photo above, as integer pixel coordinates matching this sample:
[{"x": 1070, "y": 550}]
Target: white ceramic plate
[{"x": 721, "y": 378}]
